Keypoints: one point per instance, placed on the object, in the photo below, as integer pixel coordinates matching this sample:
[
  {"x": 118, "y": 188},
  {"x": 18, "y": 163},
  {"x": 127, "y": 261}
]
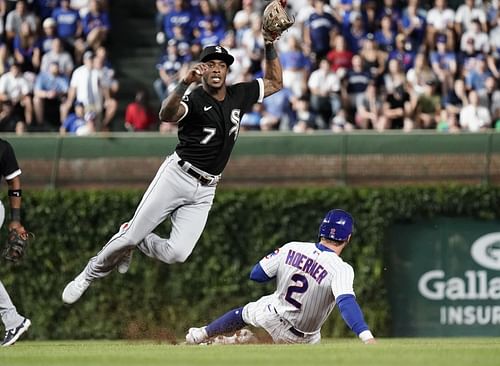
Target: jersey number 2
[{"x": 297, "y": 278}]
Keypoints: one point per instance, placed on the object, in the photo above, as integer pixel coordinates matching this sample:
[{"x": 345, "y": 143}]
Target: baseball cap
[
  {"x": 441, "y": 38},
  {"x": 88, "y": 54},
  {"x": 49, "y": 22},
  {"x": 216, "y": 53},
  {"x": 337, "y": 225}
]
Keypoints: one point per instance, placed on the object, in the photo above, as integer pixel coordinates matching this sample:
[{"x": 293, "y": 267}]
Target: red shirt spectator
[
  {"x": 138, "y": 115},
  {"x": 340, "y": 57}
]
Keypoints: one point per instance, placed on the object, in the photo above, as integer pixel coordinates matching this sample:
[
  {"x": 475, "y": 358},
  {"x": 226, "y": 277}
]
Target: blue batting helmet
[{"x": 337, "y": 225}]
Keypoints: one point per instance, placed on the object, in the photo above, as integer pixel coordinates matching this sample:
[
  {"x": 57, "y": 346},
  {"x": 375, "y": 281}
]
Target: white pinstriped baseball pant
[
  {"x": 172, "y": 192},
  {"x": 262, "y": 314}
]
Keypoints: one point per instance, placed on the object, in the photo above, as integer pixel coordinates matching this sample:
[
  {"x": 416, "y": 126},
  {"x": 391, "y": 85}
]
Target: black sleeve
[
  {"x": 250, "y": 93},
  {"x": 8, "y": 162}
]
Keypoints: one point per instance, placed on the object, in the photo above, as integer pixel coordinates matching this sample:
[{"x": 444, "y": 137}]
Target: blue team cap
[
  {"x": 337, "y": 225},
  {"x": 441, "y": 38}
]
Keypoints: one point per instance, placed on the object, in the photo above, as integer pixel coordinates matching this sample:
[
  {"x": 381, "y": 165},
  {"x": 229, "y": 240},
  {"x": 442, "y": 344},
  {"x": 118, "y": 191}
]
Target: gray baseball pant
[
  {"x": 8, "y": 312},
  {"x": 172, "y": 192}
]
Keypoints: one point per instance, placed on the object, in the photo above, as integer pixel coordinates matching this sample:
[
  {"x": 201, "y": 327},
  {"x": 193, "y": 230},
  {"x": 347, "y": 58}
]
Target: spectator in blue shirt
[
  {"x": 413, "y": 25},
  {"x": 209, "y": 36},
  {"x": 386, "y": 36},
  {"x": 27, "y": 49},
  {"x": 69, "y": 29},
  {"x": 168, "y": 70},
  {"x": 180, "y": 16},
  {"x": 44, "y": 8},
  {"x": 403, "y": 52},
  {"x": 251, "y": 120},
  {"x": 48, "y": 35},
  {"x": 209, "y": 18},
  {"x": 355, "y": 83},
  {"x": 296, "y": 66},
  {"x": 476, "y": 79},
  {"x": 393, "y": 12},
  {"x": 79, "y": 122},
  {"x": 277, "y": 110},
  {"x": 356, "y": 34},
  {"x": 96, "y": 25},
  {"x": 50, "y": 89},
  {"x": 318, "y": 30},
  {"x": 443, "y": 63}
]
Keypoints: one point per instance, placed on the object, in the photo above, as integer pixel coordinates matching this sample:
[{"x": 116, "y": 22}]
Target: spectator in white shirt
[
  {"x": 84, "y": 87},
  {"x": 475, "y": 35},
  {"x": 439, "y": 19},
  {"x": 474, "y": 117},
  {"x": 324, "y": 86},
  {"x": 58, "y": 55},
  {"x": 466, "y": 13},
  {"x": 15, "y": 88},
  {"x": 18, "y": 16}
]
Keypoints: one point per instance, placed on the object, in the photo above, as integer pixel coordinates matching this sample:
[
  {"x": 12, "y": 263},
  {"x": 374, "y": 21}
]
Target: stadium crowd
[
  {"x": 351, "y": 64},
  {"x": 55, "y": 74},
  {"x": 347, "y": 64}
]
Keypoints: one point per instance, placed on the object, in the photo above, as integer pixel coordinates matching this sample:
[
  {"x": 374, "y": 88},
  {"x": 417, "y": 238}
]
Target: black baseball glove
[{"x": 17, "y": 244}]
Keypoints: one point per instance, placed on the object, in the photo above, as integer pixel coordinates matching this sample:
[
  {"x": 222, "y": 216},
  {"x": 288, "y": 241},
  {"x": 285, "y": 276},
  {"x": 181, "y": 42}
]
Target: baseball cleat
[
  {"x": 196, "y": 335},
  {"x": 75, "y": 289},
  {"x": 124, "y": 264},
  {"x": 12, "y": 335}
]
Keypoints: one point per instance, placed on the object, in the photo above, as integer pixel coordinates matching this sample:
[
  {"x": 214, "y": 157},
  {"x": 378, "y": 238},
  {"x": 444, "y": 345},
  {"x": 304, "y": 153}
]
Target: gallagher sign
[{"x": 444, "y": 277}]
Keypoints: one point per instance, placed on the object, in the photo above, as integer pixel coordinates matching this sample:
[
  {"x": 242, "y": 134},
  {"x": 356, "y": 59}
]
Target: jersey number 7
[{"x": 297, "y": 278}]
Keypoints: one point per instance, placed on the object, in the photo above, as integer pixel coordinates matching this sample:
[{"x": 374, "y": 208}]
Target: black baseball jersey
[
  {"x": 8, "y": 162},
  {"x": 209, "y": 128}
]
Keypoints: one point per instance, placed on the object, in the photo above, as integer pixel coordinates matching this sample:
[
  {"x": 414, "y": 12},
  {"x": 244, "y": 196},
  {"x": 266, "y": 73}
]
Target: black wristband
[
  {"x": 270, "y": 52},
  {"x": 15, "y": 214},
  {"x": 181, "y": 88},
  {"x": 15, "y": 192}
]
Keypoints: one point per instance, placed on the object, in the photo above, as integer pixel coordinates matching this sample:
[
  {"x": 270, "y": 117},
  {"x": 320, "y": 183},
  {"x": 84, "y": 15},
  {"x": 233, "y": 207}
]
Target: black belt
[
  {"x": 298, "y": 333},
  {"x": 201, "y": 178}
]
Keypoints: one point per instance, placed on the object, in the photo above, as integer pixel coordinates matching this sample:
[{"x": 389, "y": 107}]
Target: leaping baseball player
[
  {"x": 311, "y": 279},
  {"x": 184, "y": 186}
]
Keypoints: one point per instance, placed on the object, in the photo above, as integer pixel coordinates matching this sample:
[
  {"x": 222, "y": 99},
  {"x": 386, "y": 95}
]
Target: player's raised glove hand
[
  {"x": 17, "y": 243},
  {"x": 275, "y": 20},
  {"x": 195, "y": 73}
]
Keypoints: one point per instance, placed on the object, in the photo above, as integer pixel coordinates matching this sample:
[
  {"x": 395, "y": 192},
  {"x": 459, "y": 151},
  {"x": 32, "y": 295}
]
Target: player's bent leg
[
  {"x": 188, "y": 223},
  {"x": 230, "y": 322},
  {"x": 157, "y": 202}
]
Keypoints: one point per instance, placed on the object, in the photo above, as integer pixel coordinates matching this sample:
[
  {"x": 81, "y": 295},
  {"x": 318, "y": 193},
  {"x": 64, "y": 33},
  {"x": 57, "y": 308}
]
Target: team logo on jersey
[
  {"x": 276, "y": 251},
  {"x": 235, "y": 119}
]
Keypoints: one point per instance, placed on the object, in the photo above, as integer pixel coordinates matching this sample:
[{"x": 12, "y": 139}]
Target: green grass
[{"x": 334, "y": 352}]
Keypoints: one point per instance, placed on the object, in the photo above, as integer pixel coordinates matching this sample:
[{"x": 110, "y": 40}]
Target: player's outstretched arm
[
  {"x": 171, "y": 109},
  {"x": 273, "y": 74},
  {"x": 353, "y": 317}
]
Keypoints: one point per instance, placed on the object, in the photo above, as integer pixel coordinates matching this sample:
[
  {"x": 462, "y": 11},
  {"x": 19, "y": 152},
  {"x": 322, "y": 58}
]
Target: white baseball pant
[{"x": 262, "y": 314}]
